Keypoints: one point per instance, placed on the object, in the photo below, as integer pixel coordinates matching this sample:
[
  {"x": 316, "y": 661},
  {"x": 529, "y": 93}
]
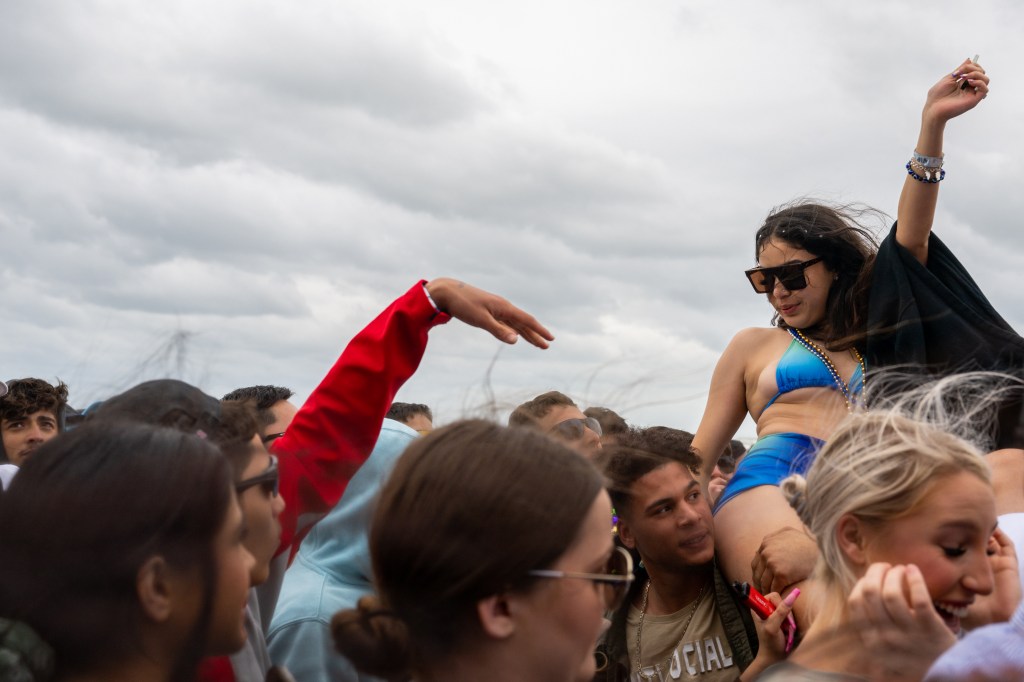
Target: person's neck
[{"x": 672, "y": 589}]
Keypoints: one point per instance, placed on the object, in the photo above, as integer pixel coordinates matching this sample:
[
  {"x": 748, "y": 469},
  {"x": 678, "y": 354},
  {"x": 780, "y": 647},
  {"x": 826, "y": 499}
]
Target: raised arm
[
  {"x": 726, "y": 406},
  {"x": 336, "y": 428},
  {"x": 954, "y": 94}
]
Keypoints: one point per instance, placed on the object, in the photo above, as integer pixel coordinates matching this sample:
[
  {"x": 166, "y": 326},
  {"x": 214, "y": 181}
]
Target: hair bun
[
  {"x": 373, "y": 638},
  {"x": 794, "y": 489},
  {"x": 24, "y": 656}
]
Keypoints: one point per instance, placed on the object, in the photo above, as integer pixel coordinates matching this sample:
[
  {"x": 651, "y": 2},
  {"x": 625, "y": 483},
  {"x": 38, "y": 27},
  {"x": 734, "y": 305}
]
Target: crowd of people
[{"x": 868, "y": 533}]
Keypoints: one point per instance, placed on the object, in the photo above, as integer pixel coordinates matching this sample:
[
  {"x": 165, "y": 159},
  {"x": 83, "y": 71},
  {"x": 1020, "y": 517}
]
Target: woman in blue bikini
[{"x": 821, "y": 273}]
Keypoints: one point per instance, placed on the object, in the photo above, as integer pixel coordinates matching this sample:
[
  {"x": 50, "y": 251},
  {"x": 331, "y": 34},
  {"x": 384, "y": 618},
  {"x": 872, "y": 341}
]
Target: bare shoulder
[
  {"x": 749, "y": 350},
  {"x": 753, "y": 338},
  {"x": 753, "y": 349}
]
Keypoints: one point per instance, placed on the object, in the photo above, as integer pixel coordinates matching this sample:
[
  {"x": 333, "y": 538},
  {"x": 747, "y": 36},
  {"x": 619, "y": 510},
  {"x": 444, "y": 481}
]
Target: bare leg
[{"x": 740, "y": 527}]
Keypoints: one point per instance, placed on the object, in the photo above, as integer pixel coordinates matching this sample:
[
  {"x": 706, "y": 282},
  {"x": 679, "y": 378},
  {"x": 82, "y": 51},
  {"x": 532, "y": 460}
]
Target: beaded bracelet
[
  {"x": 926, "y": 171},
  {"x": 929, "y": 161},
  {"x": 930, "y": 176}
]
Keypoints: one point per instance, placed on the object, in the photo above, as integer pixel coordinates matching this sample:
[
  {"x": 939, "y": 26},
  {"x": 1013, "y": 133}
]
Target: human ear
[
  {"x": 153, "y": 587},
  {"x": 626, "y": 534},
  {"x": 851, "y": 539},
  {"x": 495, "y": 614}
]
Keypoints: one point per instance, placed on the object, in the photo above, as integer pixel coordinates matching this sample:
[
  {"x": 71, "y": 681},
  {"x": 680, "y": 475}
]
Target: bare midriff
[{"x": 811, "y": 411}]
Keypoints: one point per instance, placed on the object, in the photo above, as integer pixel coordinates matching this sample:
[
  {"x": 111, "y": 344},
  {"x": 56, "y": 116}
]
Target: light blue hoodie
[{"x": 332, "y": 571}]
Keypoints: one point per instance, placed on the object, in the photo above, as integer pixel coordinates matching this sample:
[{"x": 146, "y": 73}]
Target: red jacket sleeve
[
  {"x": 216, "y": 670},
  {"x": 337, "y": 427}
]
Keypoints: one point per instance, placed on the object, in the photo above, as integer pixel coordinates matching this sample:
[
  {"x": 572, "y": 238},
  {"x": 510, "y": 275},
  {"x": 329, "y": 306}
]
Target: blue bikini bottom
[{"x": 769, "y": 460}]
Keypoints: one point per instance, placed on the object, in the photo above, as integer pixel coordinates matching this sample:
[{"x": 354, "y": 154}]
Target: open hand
[{"x": 479, "y": 308}]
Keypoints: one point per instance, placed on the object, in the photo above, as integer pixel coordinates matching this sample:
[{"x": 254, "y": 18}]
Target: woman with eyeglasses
[
  {"x": 493, "y": 558},
  {"x": 121, "y": 558},
  {"x": 842, "y": 308}
]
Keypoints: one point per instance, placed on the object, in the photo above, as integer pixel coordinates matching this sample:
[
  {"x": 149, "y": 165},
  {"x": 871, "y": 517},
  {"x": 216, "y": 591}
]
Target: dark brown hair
[
  {"x": 846, "y": 247},
  {"x": 640, "y": 451},
  {"x": 263, "y": 398},
  {"x": 234, "y": 435},
  {"x": 231, "y": 424},
  {"x": 467, "y": 512},
  {"x": 611, "y": 423},
  {"x": 81, "y": 517},
  {"x": 27, "y": 396},
  {"x": 402, "y": 412}
]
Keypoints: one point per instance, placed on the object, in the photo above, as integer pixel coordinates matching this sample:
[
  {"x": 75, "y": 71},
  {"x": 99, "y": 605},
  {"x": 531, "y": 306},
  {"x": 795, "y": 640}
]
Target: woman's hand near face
[
  {"x": 998, "y": 606},
  {"x": 892, "y": 611}
]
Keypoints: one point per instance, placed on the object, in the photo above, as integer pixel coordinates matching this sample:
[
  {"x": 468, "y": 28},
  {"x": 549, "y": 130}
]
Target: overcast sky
[{"x": 225, "y": 191}]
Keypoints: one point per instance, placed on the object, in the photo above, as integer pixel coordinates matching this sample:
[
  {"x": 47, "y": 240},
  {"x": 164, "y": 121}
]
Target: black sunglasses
[
  {"x": 790, "y": 275},
  {"x": 268, "y": 478},
  {"x": 614, "y": 581},
  {"x": 573, "y": 429}
]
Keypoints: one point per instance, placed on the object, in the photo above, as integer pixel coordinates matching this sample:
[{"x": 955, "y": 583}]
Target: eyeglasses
[
  {"x": 573, "y": 429},
  {"x": 271, "y": 437},
  {"x": 268, "y": 479},
  {"x": 614, "y": 584},
  {"x": 790, "y": 275}
]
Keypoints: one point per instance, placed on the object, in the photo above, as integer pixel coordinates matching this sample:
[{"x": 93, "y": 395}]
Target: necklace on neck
[
  {"x": 643, "y": 612},
  {"x": 819, "y": 352}
]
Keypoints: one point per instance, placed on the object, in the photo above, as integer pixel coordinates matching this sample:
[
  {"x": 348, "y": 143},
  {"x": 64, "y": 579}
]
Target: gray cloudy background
[{"x": 226, "y": 191}]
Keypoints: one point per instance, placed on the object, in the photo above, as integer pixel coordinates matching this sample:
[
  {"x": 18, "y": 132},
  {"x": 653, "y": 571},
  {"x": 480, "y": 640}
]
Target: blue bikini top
[{"x": 800, "y": 368}]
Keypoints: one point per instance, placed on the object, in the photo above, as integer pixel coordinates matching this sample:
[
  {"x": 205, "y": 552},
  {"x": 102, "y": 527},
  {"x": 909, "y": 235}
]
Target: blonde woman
[{"x": 905, "y": 519}]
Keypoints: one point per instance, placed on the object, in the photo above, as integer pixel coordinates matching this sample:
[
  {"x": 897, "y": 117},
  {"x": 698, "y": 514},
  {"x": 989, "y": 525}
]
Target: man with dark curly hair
[{"x": 30, "y": 415}]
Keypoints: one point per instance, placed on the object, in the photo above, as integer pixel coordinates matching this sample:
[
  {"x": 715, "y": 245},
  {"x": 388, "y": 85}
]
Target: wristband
[{"x": 929, "y": 161}]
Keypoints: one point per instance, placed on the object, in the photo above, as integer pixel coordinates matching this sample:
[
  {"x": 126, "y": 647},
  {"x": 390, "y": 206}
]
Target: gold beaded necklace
[{"x": 818, "y": 352}]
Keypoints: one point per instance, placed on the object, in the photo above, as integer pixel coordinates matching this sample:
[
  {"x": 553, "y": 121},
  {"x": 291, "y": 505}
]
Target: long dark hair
[
  {"x": 468, "y": 511},
  {"x": 82, "y": 516},
  {"x": 846, "y": 246}
]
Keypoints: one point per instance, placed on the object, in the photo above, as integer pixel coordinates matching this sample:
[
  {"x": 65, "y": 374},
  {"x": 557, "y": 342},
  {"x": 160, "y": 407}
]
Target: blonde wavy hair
[{"x": 879, "y": 464}]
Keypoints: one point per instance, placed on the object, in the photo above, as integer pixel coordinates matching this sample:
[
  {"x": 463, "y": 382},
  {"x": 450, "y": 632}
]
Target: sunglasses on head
[
  {"x": 573, "y": 429},
  {"x": 790, "y": 275},
  {"x": 268, "y": 478},
  {"x": 614, "y": 582}
]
